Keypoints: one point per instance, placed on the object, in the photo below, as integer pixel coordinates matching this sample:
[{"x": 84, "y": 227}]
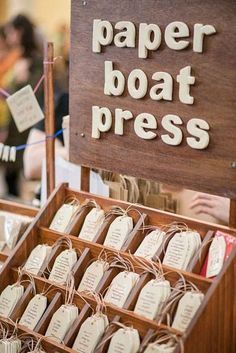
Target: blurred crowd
[{"x": 21, "y": 63}]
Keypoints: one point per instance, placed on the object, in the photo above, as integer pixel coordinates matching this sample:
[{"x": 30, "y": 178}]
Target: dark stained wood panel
[{"x": 207, "y": 170}]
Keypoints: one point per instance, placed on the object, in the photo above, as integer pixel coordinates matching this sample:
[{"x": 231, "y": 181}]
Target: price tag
[
  {"x": 34, "y": 311},
  {"x": 151, "y": 298},
  {"x": 90, "y": 333},
  {"x": 93, "y": 276},
  {"x": 63, "y": 265},
  {"x": 187, "y": 307},
  {"x": 118, "y": 232},
  {"x": 37, "y": 258},
  {"x": 150, "y": 244},
  {"x": 24, "y": 108},
  {"x": 92, "y": 223},
  {"x": 61, "y": 322},
  {"x": 120, "y": 288}
]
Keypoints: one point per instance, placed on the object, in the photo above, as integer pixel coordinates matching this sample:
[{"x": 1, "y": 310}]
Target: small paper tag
[
  {"x": 90, "y": 334},
  {"x": 125, "y": 341},
  {"x": 216, "y": 256},
  {"x": 63, "y": 217},
  {"x": 34, "y": 311},
  {"x": 61, "y": 322},
  {"x": 9, "y": 298},
  {"x": 118, "y": 232},
  {"x": 25, "y": 108},
  {"x": 93, "y": 276},
  {"x": 37, "y": 257},
  {"x": 151, "y": 298},
  {"x": 187, "y": 307},
  {"x": 120, "y": 288},
  {"x": 92, "y": 223},
  {"x": 150, "y": 244},
  {"x": 63, "y": 266}
]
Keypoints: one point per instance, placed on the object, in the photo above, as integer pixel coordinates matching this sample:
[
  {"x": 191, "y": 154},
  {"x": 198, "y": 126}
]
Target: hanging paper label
[
  {"x": 63, "y": 266},
  {"x": 93, "y": 276},
  {"x": 118, "y": 232},
  {"x": 187, "y": 307},
  {"x": 92, "y": 223},
  {"x": 25, "y": 108},
  {"x": 9, "y": 298},
  {"x": 37, "y": 258},
  {"x": 90, "y": 334},
  {"x": 151, "y": 298},
  {"x": 150, "y": 244},
  {"x": 34, "y": 311},
  {"x": 63, "y": 217},
  {"x": 120, "y": 288}
]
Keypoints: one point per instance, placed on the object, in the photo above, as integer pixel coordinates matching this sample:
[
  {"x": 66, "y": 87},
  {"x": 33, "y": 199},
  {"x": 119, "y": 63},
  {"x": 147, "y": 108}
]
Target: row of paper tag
[{"x": 178, "y": 243}]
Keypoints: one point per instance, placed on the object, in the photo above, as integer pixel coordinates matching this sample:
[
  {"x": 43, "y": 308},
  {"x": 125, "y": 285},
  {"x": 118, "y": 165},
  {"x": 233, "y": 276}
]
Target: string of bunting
[{"x": 8, "y": 153}]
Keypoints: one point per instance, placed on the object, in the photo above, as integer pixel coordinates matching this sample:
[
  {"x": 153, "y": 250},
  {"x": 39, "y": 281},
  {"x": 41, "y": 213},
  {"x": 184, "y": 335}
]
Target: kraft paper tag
[
  {"x": 216, "y": 256},
  {"x": 24, "y": 108},
  {"x": 63, "y": 265},
  {"x": 37, "y": 258},
  {"x": 187, "y": 307},
  {"x": 150, "y": 244},
  {"x": 34, "y": 311},
  {"x": 93, "y": 276},
  {"x": 125, "y": 341},
  {"x": 151, "y": 298},
  {"x": 63, "y": 217},
  {"x": 90, "y": 333},
  {"x": 92, "y": 223},
  {"x": 9, "y": 298},
  {"x": 61, "y": 322},
  {"x": 120, "y": 288},
  {"x": 118, "y": 232}
]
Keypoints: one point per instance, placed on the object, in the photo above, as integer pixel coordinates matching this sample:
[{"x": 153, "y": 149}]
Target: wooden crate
[{"x": 212, "y": 329}]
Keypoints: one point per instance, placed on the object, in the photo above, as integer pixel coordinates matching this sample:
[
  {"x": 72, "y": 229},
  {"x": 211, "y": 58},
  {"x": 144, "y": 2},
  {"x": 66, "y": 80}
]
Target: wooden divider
[{"x": 87, "y": 252}]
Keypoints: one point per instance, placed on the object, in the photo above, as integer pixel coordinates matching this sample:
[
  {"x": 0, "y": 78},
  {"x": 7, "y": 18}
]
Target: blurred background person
[{"x": 27, "y": 69}]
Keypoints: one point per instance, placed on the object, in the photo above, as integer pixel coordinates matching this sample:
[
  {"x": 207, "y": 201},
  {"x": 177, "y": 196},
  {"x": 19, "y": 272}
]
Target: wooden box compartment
[
  {"x": 214, "y": 290},
  {"x": 19, "y": 209}
]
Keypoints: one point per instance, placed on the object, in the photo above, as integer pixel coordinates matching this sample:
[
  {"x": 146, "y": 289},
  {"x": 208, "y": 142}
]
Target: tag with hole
[
  {"x": 118, "y": 232},
  {"x": 92, "y": 223},
  {"x": 187, "y": 307},
  {"x": 63, "y": 265},
  {"x": 152, "y": 297},
  {"x": 125, "y": 340},
  {"x": 216, "y": 256},
  {"x": 25, "y": 108},
  {"x": 63, "y": 217},
  {"x": 90, "y": 333},
  {"x": 93, "y": 276},
  {"x": 181, "y": 248},
  {"x": 38, "y": 256},
  {"x": 61, "y": 322},
  {"x": 34, "y": 311},
  {"x": 120, "y": 288},
  {"x": 9, "y": 298},
  {"x": 150, "y": 244}
]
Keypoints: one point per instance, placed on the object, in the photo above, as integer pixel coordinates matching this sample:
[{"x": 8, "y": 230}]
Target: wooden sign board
[{"x": 161, "y": 139}]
